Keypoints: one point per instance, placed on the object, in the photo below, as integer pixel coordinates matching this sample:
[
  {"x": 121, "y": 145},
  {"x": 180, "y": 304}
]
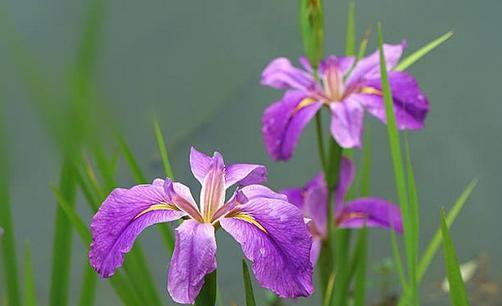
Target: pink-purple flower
[
  {"x": 346, "y": 88},
  {"x": 369, "y": 211},
  {"x": 270, "y": 230}
]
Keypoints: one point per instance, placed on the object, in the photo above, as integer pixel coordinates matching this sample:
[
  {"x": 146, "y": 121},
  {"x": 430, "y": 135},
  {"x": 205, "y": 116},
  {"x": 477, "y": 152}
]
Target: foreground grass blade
[
  {"x": 350, "y": 36},
  {"x": 72, "y": 215},
  {"x": 162, "y": 150},
  {"x": 207, "y": 295},
  {"x": 450, "y": 218},
  {"x": 61, "y": 250},
  {"x": 415, "y": 56},
  {"x": 361, "y": 252},
  {"x": 30, "y": 293},
  {"x": 397, "y": 160},
  {"x": 8, "y": 240},
  {"x": 248, "y": 286},
  {"x": 458, "y": 295},
  {"x": 312, "y": 29},
  {"x": 343, "y": 273},
  {"x": 88, "y": 291},
  {"x": 435, "y": 242}
]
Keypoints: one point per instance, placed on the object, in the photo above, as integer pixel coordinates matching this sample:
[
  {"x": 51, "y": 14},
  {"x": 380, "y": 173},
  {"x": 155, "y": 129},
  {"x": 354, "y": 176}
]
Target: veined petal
[
  {"x": 410, "y": 103},
  {"x": 245, "y": 174},
  {"x": 274, "y": 237},
  {"x": 199, "y": 163},
  {"x": 347, "y": 122},
  {"x": 124, "y": 214},
  {"x": 212, "y": 194},
  {"x": 194, "y": 256},
  {"x": 284, "y": 121},
  {"x": 375, "y": 212},
  {"x": 180, "y": 195},
  {"x": 280, "y": 73},
  {"x": 345, "y": 180},
  {"x": 316, "y": 207},
  {"x": 259, "y": 191},
  {"x": 369, "y": 67},
  {"x": 343, "y": 64}
]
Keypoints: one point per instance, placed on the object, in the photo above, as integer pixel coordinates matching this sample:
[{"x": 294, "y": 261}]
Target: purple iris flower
[
  {"x": 313, "y": 200},
  {"x": 344, "y": 86},
  {"x": 271, "y": 231}
]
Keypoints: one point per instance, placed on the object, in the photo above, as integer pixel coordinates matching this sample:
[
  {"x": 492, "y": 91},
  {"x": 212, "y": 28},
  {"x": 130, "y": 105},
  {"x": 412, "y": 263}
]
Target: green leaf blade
[
  {"x": 30, "y": 294},
  {"x": 458, "y": 294},
  {"x": 415, "y": 56},
  {"x": 248, "y": 286}
]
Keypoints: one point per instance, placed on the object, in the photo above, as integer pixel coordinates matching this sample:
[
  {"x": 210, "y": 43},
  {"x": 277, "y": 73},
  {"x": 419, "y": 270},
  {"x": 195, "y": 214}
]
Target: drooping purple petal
[
  {"x": 345, "y": 180},
  {"x": 410, "y": 103},
  {"x": 284, "y": 121},
  {"x": 212, "y": 194},
  {"x": 347, "y": 122},
  {"x": 194, "y": 256},
  {"x": 369, "y": 67},
  {"x": 375, "y": 212},
  {"x": 124, "y": 214},
  {"x": 245, "y": 174},
  {"x": 274, "y": 237},
  {"x": 281, "y": 74},
  {"x": 199, "y": 163}
]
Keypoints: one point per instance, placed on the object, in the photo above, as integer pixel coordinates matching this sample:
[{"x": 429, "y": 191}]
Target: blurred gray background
[{"x": 196, "y": 66}]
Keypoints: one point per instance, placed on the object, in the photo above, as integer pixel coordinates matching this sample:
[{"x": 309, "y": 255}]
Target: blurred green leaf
[
  {"x": 350, "y": 36},
  {"x": 30, "y": 294},
  {"x": 364, "y": 44},
  {"x": 88, "y": 289},
  {"x": 139, "y": 177},
  {"x": 415, "y": 56},
  {"x": 458, "y": 295},
  {"x": 163, "y": 150},
  {"x": 62, "y": 245},
  {"x": 397, "y": 160},
  {"x": 248, "y": 286},
  {"x": 360, "y": 254},
  {"x": 435, "y": 242},
  {"x": 8, "y": 241},
  {"x": 312, "y": 29},
  {"x": 343, "y": 273},
  {"x": 207, "y": 295}
]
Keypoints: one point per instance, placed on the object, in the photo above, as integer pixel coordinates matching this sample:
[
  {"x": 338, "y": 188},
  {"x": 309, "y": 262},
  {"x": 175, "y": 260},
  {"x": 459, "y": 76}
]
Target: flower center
[{"x": 333, "y": 84}]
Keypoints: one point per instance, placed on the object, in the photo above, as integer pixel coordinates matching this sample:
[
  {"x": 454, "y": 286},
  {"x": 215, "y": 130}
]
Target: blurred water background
[{"x": 195, "y": 65}]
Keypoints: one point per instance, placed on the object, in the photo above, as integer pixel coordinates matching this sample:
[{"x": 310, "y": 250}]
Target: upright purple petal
[
  {"x": 274, "y": 237},
  {"x": 316, "y": 249},
  {"x": 295, "y": 196},
  {"x": 194, "y": 256},
  {"x": 345, "y": 180},
  {"x": 369, "y": 67},
  {"x": 245, "y": 174},
  {"x": 199, "y": 163},
  {"x": 281, "y": 74},
  {"x": 212, "y": 194},
  {"x": 124, "y": 214},
  {"x": 259, "y": 191},
  {"x": 375, "y": 212},
  {"x": 347, "y": 122},
  {"x": 284, "y": 121},
  {"x": 316, "y": 208},
  {"x": 343, "y": 63},
  {"x": 410, "y": 103},
  {"x": 180, "y": 195}
]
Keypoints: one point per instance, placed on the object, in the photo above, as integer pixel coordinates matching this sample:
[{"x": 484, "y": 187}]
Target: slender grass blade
[
  {"x": 458, "y": 295},
  {"x": 350, "y": 36},
  {"x": 163, "y": 150},
  {"x": 248, "y": 286},
  {"x": 30, "y": 293},
  {"x": 360, "y": 255},
  {"x": 415, "y": 56},
  {"x": 88, "y": 289}
]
